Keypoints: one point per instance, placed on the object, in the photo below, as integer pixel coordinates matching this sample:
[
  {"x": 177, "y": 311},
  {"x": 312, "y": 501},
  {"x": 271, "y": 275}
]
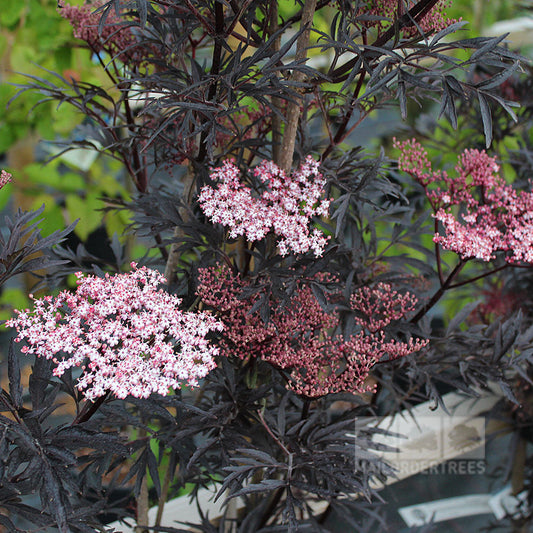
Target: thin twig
[
  {"x": 270, "y": 432},
  {"x": 441, "y": 290},
  {"x": 174, "y": 254},
  {"x": 481, "y": 276},
  {"x": 142, "y": 500},
  {"x": 341, "y": 132},
  {"x": 437, "y": 256},
  {"x": 89, "y": 409},
  {"x": 293, "y": 107},
  {"x": 276, "y": 102},
  {"x": 169, "y": 475}
]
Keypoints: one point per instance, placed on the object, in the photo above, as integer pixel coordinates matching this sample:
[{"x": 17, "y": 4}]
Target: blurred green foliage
[
  {"x": 36, "y": 41},
  {"x": 34, "y": 37}
]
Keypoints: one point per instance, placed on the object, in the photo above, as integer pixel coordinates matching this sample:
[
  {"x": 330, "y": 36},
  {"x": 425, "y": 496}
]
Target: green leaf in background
[
  {"x": 6, "y": 137},
  {"x": 116, "y": 222},
  {"x": 71, "y": 182},
  {"x": 63, "y": 58},
  {"x": 5, "y": 194},
  {"x": 24, "y": 55},
  {"x": 50, "y": 177},
  {"x": 12, "y": 298},
  {"x": 52, "y": 218},
  {"x": 86, "y": 210},
  {"x": 33, "y": 35},
  {"x": 39, "y": 174},
  {"x": 11, "y": 13}
]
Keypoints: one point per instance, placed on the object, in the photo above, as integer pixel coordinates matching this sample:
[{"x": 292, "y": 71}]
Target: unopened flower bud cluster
[
  {"x": 85, "y": 23},
  {"x": 299, "y": 337},
  {"x": 5, "y": 178},
  {"x": 382, "y": 12}
]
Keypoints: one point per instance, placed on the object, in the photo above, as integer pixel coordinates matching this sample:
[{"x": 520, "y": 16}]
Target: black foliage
[
  {"x": 39, "y": 457},
  {"x": 23, "y": 249}
]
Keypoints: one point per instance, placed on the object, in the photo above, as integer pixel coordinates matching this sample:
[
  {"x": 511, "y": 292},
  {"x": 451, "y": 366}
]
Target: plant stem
[
  {"x": 169, "y": 475},
  {"x": 437, "y": 255},
  {"x": 341, "y": 132},
  {"x": 305, "y": 410},
  {"x": 417, "y": 12},
  {"x": 438, "y": 294},
  {"x": 476, "y": 278},
  {"x": 173, "y": 256},
  {"x": 277, "y": 102},
  {"x": 293, "y": 107},
  {"x": 216, "y": 62},
  {"x": 89, "y": 409},
  {"x": 271, "y": 433},
  {"x": 295, "y": 18},
  {"x": 142, "y": 500}
]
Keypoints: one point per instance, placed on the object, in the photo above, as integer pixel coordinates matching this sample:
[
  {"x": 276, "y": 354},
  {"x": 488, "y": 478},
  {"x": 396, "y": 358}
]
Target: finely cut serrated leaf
[
  {"x": 507, "y": 391},
  {"x": 340, "y": 212},
  {"x": 461, "y": 316},
  {"x": 402, "y": 99},
  {"x": 486, "y": 117},
  {"x": 320, "y": 295},
  {"x": 452, "y": 28},
  {"x": 143, "y": 11},
  {"x": 52, "y": 497},
  {"x": 499, "y": 78},
  {"x": 266, "y": 485},
  {"x": 152, "y": 469},
  {"x": 489, "y": 46},
  {"x": 260, "y": 456}
]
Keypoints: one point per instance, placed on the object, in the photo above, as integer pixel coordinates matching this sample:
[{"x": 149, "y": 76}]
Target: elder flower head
[
  {"x": 378, "y": 306},
  {"x": 85, "y": 23},
  {"x": 5, "y": 178},
  {"x": 128, "y": 336},
  {"x": 285, "y": 207},
  {"x": 299, "y": 339},
  {"x": 480, "y": 212},
  {"x": 435, "y": 20}
]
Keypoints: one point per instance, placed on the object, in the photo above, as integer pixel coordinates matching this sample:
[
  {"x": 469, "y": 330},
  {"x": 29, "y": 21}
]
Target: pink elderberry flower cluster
[
  {"x": 480, "y": 212},
  {"x": 5, "y": 178},
  {"x": 128, "y": 336},
  {"x": 380, "y": 305},
  {"x": 298, "y": 337},
  {"x": 435, "y": 20},
  {"x": 85, "y": 21},
  {"x": 285, "y": 207}
]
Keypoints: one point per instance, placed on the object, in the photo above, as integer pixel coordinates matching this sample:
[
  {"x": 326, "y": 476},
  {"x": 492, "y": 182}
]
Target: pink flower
[
  {"x": 285, "y": 207},
  {"x": 128, "y": 336},
  {"x": 481, "y": 214},
  {"x": 380, "y": 305},
  {"x": 85, "y": 23},
  {"x": 298, "y": 337},
  {"x": 5, "y": 178},
  {"x": 435, "y": 20}
]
